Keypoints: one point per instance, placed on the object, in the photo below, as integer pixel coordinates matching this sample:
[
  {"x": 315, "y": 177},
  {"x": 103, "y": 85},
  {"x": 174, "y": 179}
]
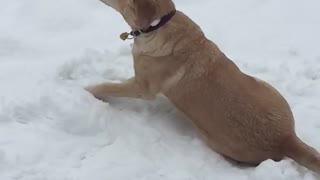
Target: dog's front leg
[{"x": 130, "y": 88}]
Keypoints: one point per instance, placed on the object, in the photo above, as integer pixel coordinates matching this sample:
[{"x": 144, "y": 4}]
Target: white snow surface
[{"x": 51, "y": 129}]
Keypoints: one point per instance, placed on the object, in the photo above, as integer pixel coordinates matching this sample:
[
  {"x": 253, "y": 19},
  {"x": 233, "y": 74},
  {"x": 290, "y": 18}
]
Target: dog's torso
[{"x": 240, "y": 116}]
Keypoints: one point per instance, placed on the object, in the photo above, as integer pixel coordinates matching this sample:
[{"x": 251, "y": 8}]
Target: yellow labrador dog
[{"x": 239, "y": 116}]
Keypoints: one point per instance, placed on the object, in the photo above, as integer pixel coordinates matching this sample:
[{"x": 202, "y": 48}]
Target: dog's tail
[{"x": 303, "y": 154}]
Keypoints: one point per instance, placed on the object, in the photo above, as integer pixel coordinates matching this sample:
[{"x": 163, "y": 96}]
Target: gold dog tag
[{"x": 124, "y": 36}]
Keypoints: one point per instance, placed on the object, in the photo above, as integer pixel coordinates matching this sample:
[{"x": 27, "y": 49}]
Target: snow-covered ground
[{"x": 51, "y": 129}]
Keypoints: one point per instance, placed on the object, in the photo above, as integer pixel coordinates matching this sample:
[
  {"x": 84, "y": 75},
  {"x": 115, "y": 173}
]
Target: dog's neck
[{"x": 154, "y": 25}]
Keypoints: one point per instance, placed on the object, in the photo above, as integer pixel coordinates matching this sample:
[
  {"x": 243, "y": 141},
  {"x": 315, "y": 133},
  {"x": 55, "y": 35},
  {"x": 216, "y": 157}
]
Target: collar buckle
[{"x": 136, "y": 33}]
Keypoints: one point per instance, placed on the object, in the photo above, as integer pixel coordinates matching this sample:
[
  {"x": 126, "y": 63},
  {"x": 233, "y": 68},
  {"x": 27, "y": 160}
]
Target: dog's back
[{"x": 241, "y": 117}]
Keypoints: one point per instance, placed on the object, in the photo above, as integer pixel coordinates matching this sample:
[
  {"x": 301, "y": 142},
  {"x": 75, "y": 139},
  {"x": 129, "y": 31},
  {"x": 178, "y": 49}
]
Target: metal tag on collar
[{"x": 124, "y": 36}]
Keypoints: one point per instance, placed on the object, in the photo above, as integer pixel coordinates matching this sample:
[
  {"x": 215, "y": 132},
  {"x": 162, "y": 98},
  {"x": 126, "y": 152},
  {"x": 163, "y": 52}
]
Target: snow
[{"x": 51, "y": 129}]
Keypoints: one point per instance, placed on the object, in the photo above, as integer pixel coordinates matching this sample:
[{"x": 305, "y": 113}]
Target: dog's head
[{"x": 140, "y": 13}]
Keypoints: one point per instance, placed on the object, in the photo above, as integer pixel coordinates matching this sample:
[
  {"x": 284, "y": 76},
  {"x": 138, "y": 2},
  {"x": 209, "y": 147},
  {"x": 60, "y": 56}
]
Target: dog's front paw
[{"x": 95, "y": 92}]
